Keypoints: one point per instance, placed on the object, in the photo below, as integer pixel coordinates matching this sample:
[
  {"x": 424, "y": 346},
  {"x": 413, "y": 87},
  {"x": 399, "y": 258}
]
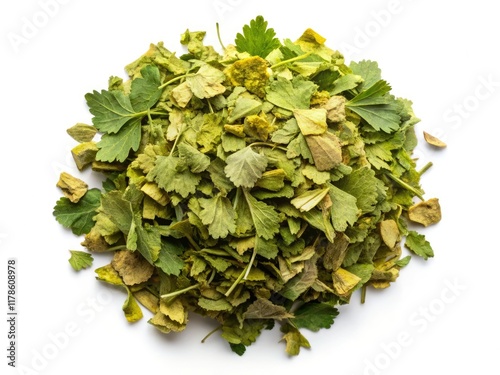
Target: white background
[{"x": 444, "y": 56}]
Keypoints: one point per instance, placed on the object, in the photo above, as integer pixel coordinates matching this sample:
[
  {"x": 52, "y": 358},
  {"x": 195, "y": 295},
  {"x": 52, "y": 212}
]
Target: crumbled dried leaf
[
  {"x": 344, "y": 282},
  {"x": 426, "y": 212},
  {"x": 73, "y": 188},
  {"x": 82, "y": 132},
  {"x": 389, "y": 232},
  {"x": 132, "y": 267},
  {"x": 84, "y": 154},
  {"x": 434, "y": 141}
]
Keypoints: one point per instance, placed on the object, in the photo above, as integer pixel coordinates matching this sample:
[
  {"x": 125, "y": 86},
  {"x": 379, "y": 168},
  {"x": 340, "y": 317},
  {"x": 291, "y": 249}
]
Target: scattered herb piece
[
  {"x": 261, "y": 186},
  {"x": 80, "y": 260},
  {"x": 433, "y": 141}
]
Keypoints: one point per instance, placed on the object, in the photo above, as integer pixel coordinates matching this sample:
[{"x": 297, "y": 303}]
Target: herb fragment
[{"x": 80, "y": 260}]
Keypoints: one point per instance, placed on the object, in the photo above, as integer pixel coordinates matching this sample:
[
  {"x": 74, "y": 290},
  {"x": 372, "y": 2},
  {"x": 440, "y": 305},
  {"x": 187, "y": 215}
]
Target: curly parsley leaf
[{"x": 257, "y": 39}]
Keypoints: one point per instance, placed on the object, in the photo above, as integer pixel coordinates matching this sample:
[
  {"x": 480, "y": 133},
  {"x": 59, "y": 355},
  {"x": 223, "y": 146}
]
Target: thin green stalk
[
  {"x": 297, "y": 58},
  {"x": 173, "y": 80},
  {"x": 266, "y": 144},
  {"x": 405, "y": 185},
  {"x": 235, "y": 284},
  {"x": 219, "y": 37},
  {"x": 252, "y": 259},
  {"x": 211, "y": 333},
  {"x": 425, "y": 168},
  {"x": 180, "y": 291},
  {"x": 363, "y": 294}
]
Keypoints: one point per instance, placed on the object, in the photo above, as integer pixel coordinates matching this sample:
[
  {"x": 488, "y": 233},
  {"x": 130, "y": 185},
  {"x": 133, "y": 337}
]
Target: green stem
[
  {"x": 425, "y": 168},
  {"x": 117, "y": 247},
  {"x": 297, "y": 58},
  {"x": 211, "y": 333},
  {"x": 405, "y": 185},
  {"x": 266, "y": 144},
  {"x": 252, "y": 259},
  {"x": 176, "y": 79},
  {"x": 193, "y": 243},
  {"x": 180, "y": 291},
  {"x": 235, "y": 284},
  {"x": 219, "y": 37},
  {"x": 363, "y": 294}
]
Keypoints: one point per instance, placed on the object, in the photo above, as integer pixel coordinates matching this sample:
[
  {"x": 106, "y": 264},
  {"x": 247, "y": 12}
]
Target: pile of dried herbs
[{"x": 264, "y": 184}]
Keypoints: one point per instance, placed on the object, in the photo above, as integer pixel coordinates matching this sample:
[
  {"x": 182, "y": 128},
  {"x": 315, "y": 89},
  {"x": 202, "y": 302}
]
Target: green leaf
[
  {"x": 344, "y": 83},
  {"x": 403, "y": 262},
  {"x": 344, "y": 210},
  {"x": 311, "y": 121},
  {"x": 207, "y": 82},
  {"x": 257, "y": 39},
  {"x": 245, "y": 333},
  {"x": 145, "y": 90},
  {"x": 117, "y": 146},
  {"x": 80, "y": 259},
  {"x": 169, "y": 260},
  {"x": 314, "y": 316},
  {"x": 111, "y": 110},
  {"x": 131, "y": 308},
  {"x": 169, "y": 175},
  {"x": 294, "y": 288},
  {"x": 294, "y": 94},
  {"x": 287, "y": 133},
  {"x": 419, "y": 245},
  {"x": 219, "y": 215},
  {"x": 245, "y": 167},
  {"x": 117, "y": 209},
  {"x": 239, "y": 349},
  {"x": 373, "y": 95},
  {"x": 265, "y": 219},
  {"x": 294, "y": 339},
  {"x": 194, "y": 159},
  {"x": 368, "y": 70},
  {"x": 379, "y": 110},
  {"x": 144, "y": 238},
  {"x": 364, "y": 186},
  {"x": 262, "y": 308},
  {"x": 215, "y": 305},
  {"x": 78, "y": 216}
]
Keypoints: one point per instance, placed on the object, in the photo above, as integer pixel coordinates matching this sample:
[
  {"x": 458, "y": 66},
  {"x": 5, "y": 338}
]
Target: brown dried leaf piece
[
  {"x": 426, "y": 212},
  {"x": 335, "y": 252},
  {"x": 433, "y": 141},
  {"x": 335, "y": 108},
  {"x": 73, "y": 188},
  {"x": 326, "y": 150},
  {"x": 389, "y": 232},
  {"x": 132, "y": 267}
]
